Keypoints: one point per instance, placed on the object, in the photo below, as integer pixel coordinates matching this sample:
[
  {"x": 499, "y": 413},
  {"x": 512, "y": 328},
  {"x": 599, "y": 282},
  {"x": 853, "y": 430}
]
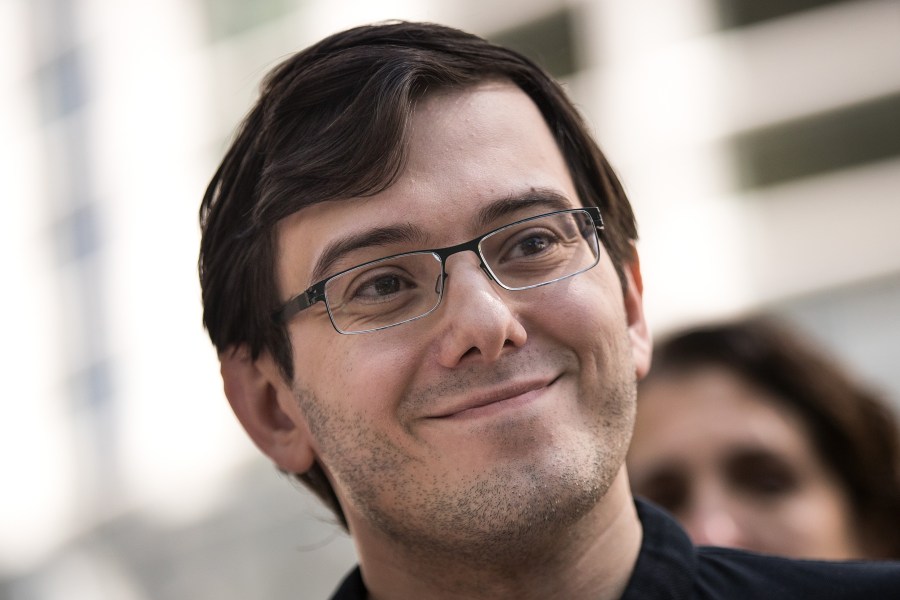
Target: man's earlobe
[
  {"x": 638, "y": 330},
  {"x": 264, "y": 404}
]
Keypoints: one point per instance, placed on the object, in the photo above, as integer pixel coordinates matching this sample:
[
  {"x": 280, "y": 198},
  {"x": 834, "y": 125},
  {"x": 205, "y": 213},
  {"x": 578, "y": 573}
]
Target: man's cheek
[{"x": 379, "y": 374}]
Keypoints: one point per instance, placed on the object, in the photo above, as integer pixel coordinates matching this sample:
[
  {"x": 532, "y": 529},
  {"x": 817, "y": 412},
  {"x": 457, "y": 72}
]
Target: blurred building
[{"x": 759, "y": 141}]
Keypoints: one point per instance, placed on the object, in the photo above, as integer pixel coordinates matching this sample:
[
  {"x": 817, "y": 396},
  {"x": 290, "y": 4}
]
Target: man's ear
[
  {"x": 264, "y": 404},
  {"x": 638, "y": 331}
]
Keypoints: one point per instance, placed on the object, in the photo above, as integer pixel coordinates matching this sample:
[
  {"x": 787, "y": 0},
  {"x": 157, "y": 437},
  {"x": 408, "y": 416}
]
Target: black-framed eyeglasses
[{"x": 398, "y": 289}]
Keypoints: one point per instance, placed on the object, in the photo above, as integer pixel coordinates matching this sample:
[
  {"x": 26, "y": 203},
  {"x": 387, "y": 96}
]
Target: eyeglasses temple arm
[{"x": 299, "y": 303}]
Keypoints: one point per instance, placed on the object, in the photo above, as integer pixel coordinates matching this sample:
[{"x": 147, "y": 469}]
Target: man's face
[{"x": 502, "y": 411}]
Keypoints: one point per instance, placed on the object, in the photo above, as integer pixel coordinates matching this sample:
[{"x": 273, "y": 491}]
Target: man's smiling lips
[{"x": 496, "y": 400}]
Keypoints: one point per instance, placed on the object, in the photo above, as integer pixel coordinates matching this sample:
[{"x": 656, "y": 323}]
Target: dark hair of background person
[
  {"x": 332, "y": 122},
  {"x": 853, "y": 432}
]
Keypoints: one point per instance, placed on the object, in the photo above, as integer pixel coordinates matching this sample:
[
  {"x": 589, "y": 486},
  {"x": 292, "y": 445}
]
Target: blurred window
[
  {"x": 92, "y": 388},
  {"x": 738, "y": 13},
  {"x": 77, "y": 234},
  {"x": 61, "y": 85},
  {"x": 230, "y": 17},
  {"x": 549, "y": 41},
  {"x": 847, "y": 137}
]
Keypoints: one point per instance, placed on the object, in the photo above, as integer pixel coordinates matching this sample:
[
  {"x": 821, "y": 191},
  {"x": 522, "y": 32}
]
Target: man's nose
[{"x": 476, "y": 323}]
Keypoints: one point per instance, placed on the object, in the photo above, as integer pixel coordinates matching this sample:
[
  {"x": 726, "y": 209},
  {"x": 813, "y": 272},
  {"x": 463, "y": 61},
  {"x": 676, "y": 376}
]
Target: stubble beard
[{"x": 500, "y": 518}]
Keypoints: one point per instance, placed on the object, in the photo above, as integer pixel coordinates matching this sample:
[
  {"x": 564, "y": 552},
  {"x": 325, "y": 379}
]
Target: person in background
[{"x": 753, "y": 438}]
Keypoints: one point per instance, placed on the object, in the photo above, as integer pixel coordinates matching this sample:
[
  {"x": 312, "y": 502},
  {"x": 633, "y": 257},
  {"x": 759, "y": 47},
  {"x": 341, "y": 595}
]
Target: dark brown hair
[
  {"x": 332, "y": 123},
  {"x": 854, "y": 433}
]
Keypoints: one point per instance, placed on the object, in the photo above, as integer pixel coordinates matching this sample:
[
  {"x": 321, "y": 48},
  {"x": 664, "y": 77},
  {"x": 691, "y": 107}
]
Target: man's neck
[{"x": 592, "y": 559}]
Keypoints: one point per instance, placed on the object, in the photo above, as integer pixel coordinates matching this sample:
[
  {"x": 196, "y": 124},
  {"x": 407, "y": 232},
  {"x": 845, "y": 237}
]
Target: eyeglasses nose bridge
[{"x": 469, "y": 247}]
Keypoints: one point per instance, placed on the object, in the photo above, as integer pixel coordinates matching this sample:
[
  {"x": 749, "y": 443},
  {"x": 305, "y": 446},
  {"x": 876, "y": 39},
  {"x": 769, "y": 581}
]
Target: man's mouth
[{"x": 501, "y": 398}]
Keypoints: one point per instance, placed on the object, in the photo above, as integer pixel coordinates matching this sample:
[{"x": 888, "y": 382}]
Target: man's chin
[{"x": 503, "y": 513}]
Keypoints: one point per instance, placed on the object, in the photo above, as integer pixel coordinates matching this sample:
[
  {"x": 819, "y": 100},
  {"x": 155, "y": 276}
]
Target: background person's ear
[
  {"x": 265, "y": 405},
  {"x": 638, "y": 331}
]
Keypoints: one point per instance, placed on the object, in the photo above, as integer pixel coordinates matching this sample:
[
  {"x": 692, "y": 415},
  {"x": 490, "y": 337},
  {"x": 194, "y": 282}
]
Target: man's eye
[
  {"x": 532, "y": 244},
  {"x": 381, "y": 287}
]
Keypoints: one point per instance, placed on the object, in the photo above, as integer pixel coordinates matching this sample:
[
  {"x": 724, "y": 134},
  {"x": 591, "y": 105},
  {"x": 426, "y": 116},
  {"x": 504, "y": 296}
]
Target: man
[{"x": 419, "y": 272}]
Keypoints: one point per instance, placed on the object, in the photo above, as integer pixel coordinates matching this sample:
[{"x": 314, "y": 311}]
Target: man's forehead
[{"x": 447, "y": 103}]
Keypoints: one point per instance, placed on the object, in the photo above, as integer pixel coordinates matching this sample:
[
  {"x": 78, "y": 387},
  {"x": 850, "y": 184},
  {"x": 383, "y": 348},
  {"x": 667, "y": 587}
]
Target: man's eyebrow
[
  {"x": 381, "y": 236},
  {"x": 536, "y": 197}
]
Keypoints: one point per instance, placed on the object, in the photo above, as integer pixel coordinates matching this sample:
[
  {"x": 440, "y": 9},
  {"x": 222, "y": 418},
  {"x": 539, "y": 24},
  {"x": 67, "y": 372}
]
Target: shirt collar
[{"x": 667, "y": 563}]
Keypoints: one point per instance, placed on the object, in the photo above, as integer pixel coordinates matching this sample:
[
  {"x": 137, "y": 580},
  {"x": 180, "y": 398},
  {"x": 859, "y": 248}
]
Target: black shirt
[{"x": 670, "y": 567}]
